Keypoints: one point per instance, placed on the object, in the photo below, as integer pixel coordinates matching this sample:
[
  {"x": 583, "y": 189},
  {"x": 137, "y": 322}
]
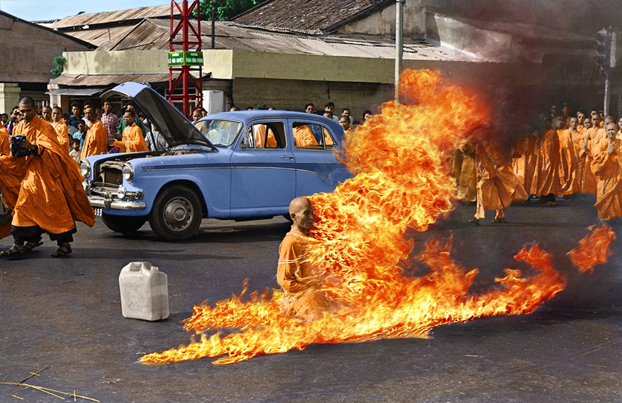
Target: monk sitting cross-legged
[{"x": 303, "y": 298}]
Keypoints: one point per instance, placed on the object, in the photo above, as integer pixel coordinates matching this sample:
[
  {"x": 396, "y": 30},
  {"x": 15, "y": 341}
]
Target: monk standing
[
  {"x": 132, "y": 138},
  {"x": 50, "y": 198},
  {"x": 96, "y": 139},
  {"x": 61, "y": 128},
  {"x": 301, "y": 285},
  {"x": 545, "y": 182},
  {"x": 568, "y": 165},
  {"x": 607, "y": 166},
  {"x": 497, "y": 186}
]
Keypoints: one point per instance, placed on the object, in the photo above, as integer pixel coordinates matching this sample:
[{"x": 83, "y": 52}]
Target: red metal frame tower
[{"x": 189, "y": 58}]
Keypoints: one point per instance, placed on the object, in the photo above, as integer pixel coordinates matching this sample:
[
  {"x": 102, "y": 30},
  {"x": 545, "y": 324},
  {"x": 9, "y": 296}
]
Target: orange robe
[
  {"x": 95, "y": 141},
  {"x": 497, "y": 185},
  {"x": 50, "y": 194},
  {"x": 133, "y": 140},
  {"x": 608, "y": 170},
  {"x": 577, "y": 144},
  {"x": 568, "y": 164},
  {"x": 63, "y": 134},
  {"x": 466, "y": 173},
  {"x": 546, "y": 170},
  {"x": 261, "y": 141},
  {"x": 303, "y": 136},
  {"x": 5, "y": 147},
  {"x": 588, "y": 180},
  {"x": 302, "y": 299}
]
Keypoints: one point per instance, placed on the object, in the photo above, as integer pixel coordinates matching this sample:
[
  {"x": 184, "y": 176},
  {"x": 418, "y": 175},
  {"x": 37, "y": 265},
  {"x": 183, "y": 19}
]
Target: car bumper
[{"x": 100, "y": 202}]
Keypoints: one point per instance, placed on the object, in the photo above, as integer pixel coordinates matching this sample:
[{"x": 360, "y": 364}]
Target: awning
[
  {"x": 78, "y": 92},
  {"x": 86, "y": 80}
]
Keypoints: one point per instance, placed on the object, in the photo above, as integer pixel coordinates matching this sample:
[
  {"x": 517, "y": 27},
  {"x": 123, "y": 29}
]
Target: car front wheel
[
  {"x": 123, "y": 224},
  {"x": 176, "y": 214}
]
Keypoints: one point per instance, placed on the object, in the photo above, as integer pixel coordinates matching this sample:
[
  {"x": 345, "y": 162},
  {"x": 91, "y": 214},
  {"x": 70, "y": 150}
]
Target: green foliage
[
  {"x": 59, "y": 63},
  {"x": 226, "y": 9}
]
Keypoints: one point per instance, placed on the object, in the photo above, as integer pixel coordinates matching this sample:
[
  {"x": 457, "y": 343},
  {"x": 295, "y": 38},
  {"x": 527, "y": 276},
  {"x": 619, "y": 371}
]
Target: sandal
[
  {"x": 474, "y": 221},
  {"x": 31, "y": 245},
  {"x": 13, "y": 252},
  {"x": 63, "y": 250}
]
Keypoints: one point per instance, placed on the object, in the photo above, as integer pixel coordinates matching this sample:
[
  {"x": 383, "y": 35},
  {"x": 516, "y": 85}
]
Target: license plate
[{"x": 98, "y": 211}]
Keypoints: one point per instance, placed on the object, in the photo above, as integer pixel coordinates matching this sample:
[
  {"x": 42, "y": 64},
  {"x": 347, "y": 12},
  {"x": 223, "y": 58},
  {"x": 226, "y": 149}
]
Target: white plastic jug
[{"x": 144, "y": 292}]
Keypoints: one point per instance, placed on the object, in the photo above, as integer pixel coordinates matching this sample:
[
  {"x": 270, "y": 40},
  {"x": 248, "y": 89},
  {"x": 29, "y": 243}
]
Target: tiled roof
[{"x": 312, "y": 17}]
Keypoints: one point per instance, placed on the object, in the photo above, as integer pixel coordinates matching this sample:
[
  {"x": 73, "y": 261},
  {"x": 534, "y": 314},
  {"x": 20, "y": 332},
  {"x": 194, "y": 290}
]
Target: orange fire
[
  {"x": 402, "y": 181},
  {"x": 593, "y": 249}
]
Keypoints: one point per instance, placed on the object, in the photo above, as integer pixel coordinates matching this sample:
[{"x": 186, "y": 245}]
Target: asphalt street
[{"x": 66, "y": 314}]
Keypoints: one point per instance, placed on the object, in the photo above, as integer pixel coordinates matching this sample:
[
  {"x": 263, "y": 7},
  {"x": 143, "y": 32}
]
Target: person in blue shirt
[{"x": 81, "y": 133}]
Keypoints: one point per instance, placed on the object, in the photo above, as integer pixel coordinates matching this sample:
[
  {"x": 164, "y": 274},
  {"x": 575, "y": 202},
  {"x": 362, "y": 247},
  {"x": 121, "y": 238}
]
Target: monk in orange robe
[
  {"x": 304, "y": 137},
  {"x": 5, "y": 148},
  {"x": 50, "y": 197},
  {"x": 545, "y": 182},
  {"x": 264, "y": 137},
  {"x": 607, "y": 167},
  {"x": 60, "y": 127},
  {"x": 96, "y": 139},
  {"x": 497, "y": 185},
  {"x": 578, "y": 148},
  {"x": 132, "y": 138},
  {"x": 303, "y": 298},
  {"x": 568, "y": 163},
  {"x": 580, "y": 121}
]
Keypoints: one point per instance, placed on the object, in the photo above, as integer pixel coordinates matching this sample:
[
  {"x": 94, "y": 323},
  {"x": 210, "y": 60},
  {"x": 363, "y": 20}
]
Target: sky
[{"x": 44, "y": 10}]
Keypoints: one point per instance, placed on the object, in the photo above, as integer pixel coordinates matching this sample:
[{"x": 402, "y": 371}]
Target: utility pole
[
  {"x": 399, "y": 44},
  {"x": 606, "y": 58}
]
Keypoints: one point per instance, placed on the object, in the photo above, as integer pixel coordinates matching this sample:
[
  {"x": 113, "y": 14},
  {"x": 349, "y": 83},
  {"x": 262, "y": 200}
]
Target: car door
[
  {"x": 317, "y": 169},
  {"x": 263, "y": 176}
]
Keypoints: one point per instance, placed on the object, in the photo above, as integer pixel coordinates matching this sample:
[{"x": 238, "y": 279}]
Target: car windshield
[{"x": 219, "y": 132}]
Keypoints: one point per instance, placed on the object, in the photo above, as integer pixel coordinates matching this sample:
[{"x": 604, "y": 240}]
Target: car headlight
[
  {"x": 85, "y": 168},
  {"x": 128, "y": 172},
  {"x": 121, "y": 192}
]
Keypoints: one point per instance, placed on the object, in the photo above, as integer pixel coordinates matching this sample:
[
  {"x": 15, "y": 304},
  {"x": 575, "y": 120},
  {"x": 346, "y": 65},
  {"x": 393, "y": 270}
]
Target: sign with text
[{"x": 181, "y": 58}]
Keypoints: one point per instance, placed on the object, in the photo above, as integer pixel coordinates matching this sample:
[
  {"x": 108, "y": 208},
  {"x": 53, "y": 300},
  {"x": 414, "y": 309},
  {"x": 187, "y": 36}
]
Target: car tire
[
  {"x": 176, "y": 214},
  {"x": 123, "y": 224}
]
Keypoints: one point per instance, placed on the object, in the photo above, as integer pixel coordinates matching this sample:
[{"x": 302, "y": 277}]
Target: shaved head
[{"x": 301, "y": 213}]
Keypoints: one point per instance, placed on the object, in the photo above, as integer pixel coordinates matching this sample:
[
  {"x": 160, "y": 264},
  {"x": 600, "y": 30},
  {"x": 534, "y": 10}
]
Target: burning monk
[
  {"x": 44, "y": 189},
  {"x": 607, "y": 166},
  {"x": 303, "y": 298}
]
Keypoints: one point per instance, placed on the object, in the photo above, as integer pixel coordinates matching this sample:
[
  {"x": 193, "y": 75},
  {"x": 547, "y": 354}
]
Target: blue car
[{"x": 231, "y": 165}]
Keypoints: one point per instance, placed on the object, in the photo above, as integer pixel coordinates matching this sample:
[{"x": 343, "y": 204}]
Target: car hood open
[{"x": 171, "y": 123}]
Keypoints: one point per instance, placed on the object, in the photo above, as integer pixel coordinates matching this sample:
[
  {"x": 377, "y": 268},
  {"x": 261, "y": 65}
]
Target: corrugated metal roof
[
  {"x": 78, "y": 92},
  {"x": 114, "y": 16},
  {"x": 312, "y": 17},
  {"x": 84, "y": 80},
  {"x": 101, "y": 36},
  {"x": 154, "y": 35}
]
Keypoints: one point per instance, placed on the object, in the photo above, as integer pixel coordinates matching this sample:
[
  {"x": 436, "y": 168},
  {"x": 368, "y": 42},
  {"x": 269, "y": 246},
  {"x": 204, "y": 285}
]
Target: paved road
[{"x": 66, "y": 314}]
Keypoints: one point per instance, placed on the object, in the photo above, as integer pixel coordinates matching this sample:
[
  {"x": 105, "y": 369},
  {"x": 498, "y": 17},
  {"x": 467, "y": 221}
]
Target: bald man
[
  {"x": 301, "y": 284},
  {"x": 607, "y": 166},
  {"x": 49, "y": 196}
]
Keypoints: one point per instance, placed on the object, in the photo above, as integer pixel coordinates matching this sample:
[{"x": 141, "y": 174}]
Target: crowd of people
[{"x": 567, "y": 155}]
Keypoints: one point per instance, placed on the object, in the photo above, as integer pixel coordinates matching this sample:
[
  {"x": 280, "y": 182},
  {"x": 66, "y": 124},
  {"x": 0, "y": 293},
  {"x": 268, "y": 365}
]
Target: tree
[{"x": 226, "y": 9}]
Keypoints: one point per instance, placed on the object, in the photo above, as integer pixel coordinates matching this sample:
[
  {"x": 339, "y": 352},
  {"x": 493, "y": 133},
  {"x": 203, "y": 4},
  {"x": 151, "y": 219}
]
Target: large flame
[{"x": 359, "y": 243}]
